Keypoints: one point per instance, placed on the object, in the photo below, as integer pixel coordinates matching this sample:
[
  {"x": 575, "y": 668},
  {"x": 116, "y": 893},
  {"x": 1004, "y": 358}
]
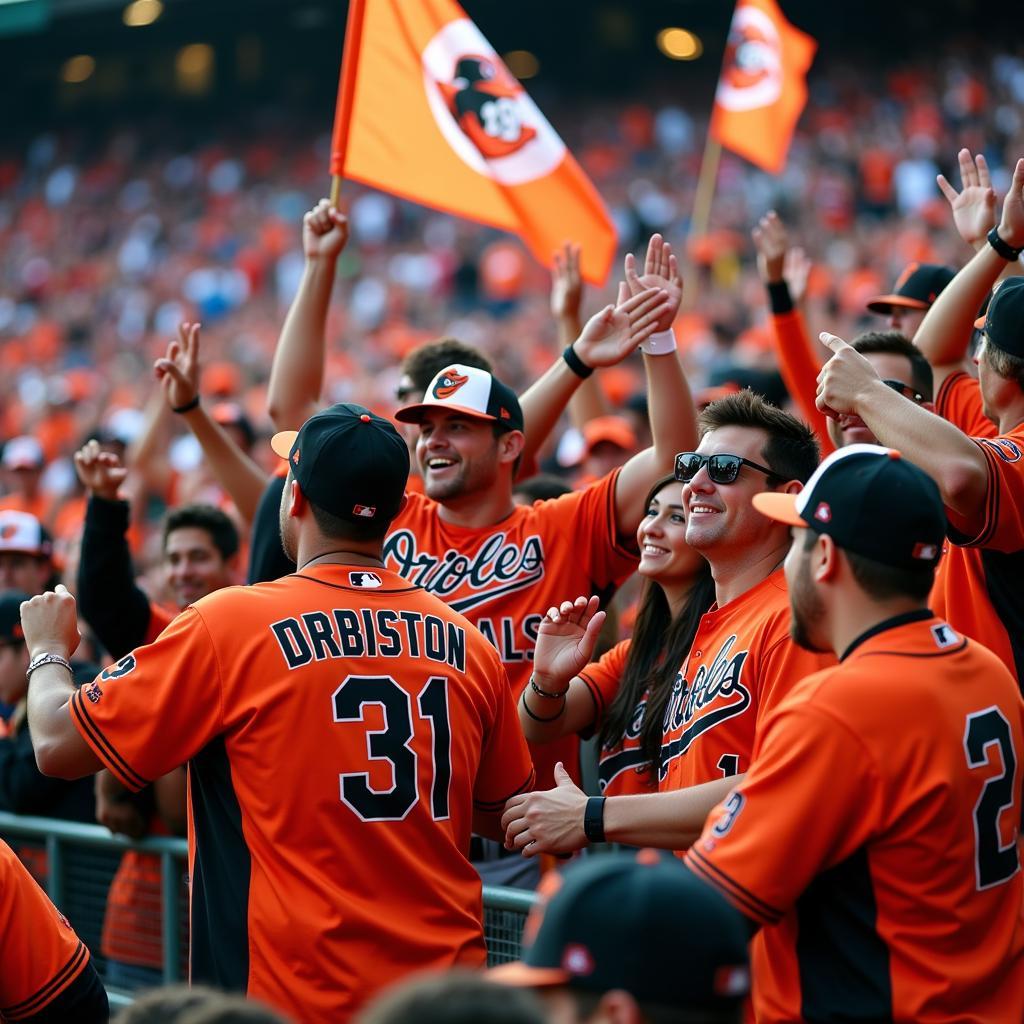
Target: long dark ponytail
[{"x": 658, "y": 648}]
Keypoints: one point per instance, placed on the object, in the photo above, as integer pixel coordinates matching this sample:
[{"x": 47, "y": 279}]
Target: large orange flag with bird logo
[
  {"x": 762, "y": 89},
  {"x": 428, "y": 111}
]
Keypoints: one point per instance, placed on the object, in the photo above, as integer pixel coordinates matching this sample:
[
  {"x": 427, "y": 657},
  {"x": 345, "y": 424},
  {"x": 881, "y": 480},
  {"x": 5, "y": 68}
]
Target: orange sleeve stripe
[
  {"x": 52, "y": 989},
  {"x": 595, "y": 695},
  {"x": 945, "y": 388},
  {"x": 743, "y": 899},
  {"x": 102, "y": 747},
  {"x": 497, "y": 805}
]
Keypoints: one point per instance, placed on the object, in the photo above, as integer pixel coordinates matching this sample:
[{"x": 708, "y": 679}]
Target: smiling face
[
  {"x": 661, "y": 536},
  {"x": 195, "y": 567},
  {"x": 721, "y": 520},
  {"x": 457, "y": 454}
]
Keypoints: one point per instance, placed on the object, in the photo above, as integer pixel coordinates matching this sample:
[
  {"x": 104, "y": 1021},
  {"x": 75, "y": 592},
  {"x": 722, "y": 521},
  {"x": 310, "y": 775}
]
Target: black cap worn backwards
[
  {"x": 348, "y": 462},
  {"x": 872, "y": 502},
  {"x": 1003, "y": 324},
  {"x": 916, "y": 288},
  {"x": 635, "y": 921}
]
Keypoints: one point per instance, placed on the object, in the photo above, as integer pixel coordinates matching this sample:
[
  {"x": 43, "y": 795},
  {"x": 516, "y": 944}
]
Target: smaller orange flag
[
  {"x": 762, "y": 89},
  {"x": 428, "y": 111}
]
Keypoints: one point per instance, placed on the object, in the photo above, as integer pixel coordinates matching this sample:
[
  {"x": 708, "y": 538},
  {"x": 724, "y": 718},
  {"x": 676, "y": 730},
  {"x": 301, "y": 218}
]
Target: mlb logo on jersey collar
[{"x": 365, "y": 580}]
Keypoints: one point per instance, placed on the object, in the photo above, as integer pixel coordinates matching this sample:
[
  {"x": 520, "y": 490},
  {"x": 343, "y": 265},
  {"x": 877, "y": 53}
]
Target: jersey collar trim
[{"x": 920, "y": 615}]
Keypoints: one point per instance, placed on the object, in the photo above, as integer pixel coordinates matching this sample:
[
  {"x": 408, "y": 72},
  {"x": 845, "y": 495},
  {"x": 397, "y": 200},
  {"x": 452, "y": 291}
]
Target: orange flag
[
  {"x": 428, "y": 111},
  {"x": 762, "y": 90}
]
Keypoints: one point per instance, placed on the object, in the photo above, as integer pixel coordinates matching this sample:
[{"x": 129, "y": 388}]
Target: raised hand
[
  {"x": 566, "y": 639},
  {"x": 661, "y": 270},
  {"x": 772, "y": 242},
  {"x": 1011, "y": 224},
  {"x": 844, "y": 379},
  {"x": 178, "y": 371},
  {"x": 50, "y": 623},
  {"x": 796, "y": 270},
  {"x": 566, "y": 284},
  {"x": 974, "y": 207},
  {"x": 101, "y": 473},
  {"x": 324, "y": 232},
  {"x": 610, "y": 335}
]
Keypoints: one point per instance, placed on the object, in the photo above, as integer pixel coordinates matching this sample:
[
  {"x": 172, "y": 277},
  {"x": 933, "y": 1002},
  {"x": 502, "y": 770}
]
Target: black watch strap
[
  {"x": 1004, "y": 249},
  {"x": 593, "y": 819},
  {"x": 576, "y": 364}
]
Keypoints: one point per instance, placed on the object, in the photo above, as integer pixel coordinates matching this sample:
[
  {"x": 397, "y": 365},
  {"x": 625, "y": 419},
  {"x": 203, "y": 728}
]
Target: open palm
[
  {"x": 661, "y": 270},
  {"x": 566, "y": 639},
  {"x": 974, "y": 207},
  {"x": 610, "y": 335}
]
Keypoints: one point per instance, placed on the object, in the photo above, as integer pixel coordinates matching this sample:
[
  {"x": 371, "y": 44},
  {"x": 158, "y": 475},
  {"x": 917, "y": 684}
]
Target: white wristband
[{"x": 659, "y": 344}]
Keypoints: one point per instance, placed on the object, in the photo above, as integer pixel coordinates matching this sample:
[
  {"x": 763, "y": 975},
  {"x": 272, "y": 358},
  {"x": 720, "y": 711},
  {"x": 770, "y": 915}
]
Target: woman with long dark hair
[{"x": 622, "y": 697}]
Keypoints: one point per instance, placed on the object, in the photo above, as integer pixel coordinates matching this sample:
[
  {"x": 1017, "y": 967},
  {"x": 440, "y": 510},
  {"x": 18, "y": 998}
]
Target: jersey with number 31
[{"x": 341, "y": 727}]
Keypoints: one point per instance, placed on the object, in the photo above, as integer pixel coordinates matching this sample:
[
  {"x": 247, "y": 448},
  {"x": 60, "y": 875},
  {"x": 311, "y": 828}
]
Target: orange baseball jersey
[
  {"x": 341, "y": 728},
  {"x": 503, "y": 578},
  {"x": 874, "y": 839},
  {"x": 741, "y": 664},
  {"x": 978, "y": 585},
  {"x": 959, "y": 402},
  {"x": 621, "y": 768},
  {"x": 46, "y": 972}
]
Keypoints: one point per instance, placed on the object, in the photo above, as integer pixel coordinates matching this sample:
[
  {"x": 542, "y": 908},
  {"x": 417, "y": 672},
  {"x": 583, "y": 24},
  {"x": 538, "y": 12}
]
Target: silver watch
[{"x": 46, "y": 659}]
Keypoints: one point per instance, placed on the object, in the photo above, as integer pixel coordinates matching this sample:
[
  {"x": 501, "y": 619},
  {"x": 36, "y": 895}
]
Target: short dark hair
[
  {"x": 883, "y": 582},
  {"x": 424, "y": 363},
  {"x": 895, "y": 343},
  {"x": 344, "y": 529},
  {"x": 541, "y": 487},
  {"x": 1005, "y": 365},
  {"x": 216, "y": 523},
  {"x": 791, "y": 451},
  {"x": 454, "y": 997}
]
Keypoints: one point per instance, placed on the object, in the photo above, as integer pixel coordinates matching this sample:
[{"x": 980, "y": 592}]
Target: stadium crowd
[{"x": 696, "y": 506}]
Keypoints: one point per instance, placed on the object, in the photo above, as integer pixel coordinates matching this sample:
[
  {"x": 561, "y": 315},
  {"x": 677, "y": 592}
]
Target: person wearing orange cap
[{"x": 608, "y": 441}]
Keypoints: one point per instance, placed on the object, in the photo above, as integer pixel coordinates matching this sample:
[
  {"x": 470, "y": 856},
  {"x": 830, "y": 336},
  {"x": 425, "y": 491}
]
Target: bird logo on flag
[
  {"x": 752, "y": 70},
  {"x": 484, "y": 99}
]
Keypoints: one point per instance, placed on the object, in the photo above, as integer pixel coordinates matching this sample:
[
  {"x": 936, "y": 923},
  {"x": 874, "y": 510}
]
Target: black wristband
[
  {"x": 593, "y": 819},
  {"x": 188, "y": 406},
  {"x": 779, "y": 297},
  {"x": 538, "y": 718},
  {"x": 546, "y": 693},
  {"x": 1004, "y": 249},
  {"x": 576, "y": 364}
]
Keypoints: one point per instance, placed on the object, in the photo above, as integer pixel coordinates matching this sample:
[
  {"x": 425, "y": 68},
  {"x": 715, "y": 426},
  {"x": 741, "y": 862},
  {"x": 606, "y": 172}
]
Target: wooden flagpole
[
  {"x": 346, "y": 93},
  {"x": 702, "y": 201}
]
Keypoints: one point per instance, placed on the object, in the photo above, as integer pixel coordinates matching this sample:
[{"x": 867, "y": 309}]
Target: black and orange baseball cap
[
  {"x": 1003, "y": 323},
  {"x": 470, "y": 391},
  {"x": 349, "y": 462},
  {"x": 916, "y": 288},
  {"x": 635, "y": 921},
  {"x": 871, "y": 501}
]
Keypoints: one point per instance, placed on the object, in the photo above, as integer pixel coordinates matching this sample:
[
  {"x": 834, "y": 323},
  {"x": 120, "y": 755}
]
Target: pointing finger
[{"x": 832, "y": 341}]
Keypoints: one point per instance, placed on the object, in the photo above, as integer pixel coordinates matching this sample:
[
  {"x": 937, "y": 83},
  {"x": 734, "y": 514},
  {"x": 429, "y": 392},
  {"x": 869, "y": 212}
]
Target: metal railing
[{"x": 76, "y": 863}]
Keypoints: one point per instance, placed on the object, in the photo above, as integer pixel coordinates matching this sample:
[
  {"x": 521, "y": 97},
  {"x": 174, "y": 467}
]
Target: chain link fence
[{"x": 129, "y": 900}]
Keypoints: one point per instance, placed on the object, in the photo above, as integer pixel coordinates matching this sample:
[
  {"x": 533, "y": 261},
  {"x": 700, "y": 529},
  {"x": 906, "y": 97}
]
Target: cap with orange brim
[
  {"x": 916, "y": 288},
  {"x": 871, "y": 502}
]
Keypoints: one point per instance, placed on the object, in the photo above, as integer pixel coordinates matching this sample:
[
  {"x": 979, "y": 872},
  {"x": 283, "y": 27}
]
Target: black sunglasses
[
  {"x": 905, "y": 390},
  {"x": 723, "y": 469}
]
